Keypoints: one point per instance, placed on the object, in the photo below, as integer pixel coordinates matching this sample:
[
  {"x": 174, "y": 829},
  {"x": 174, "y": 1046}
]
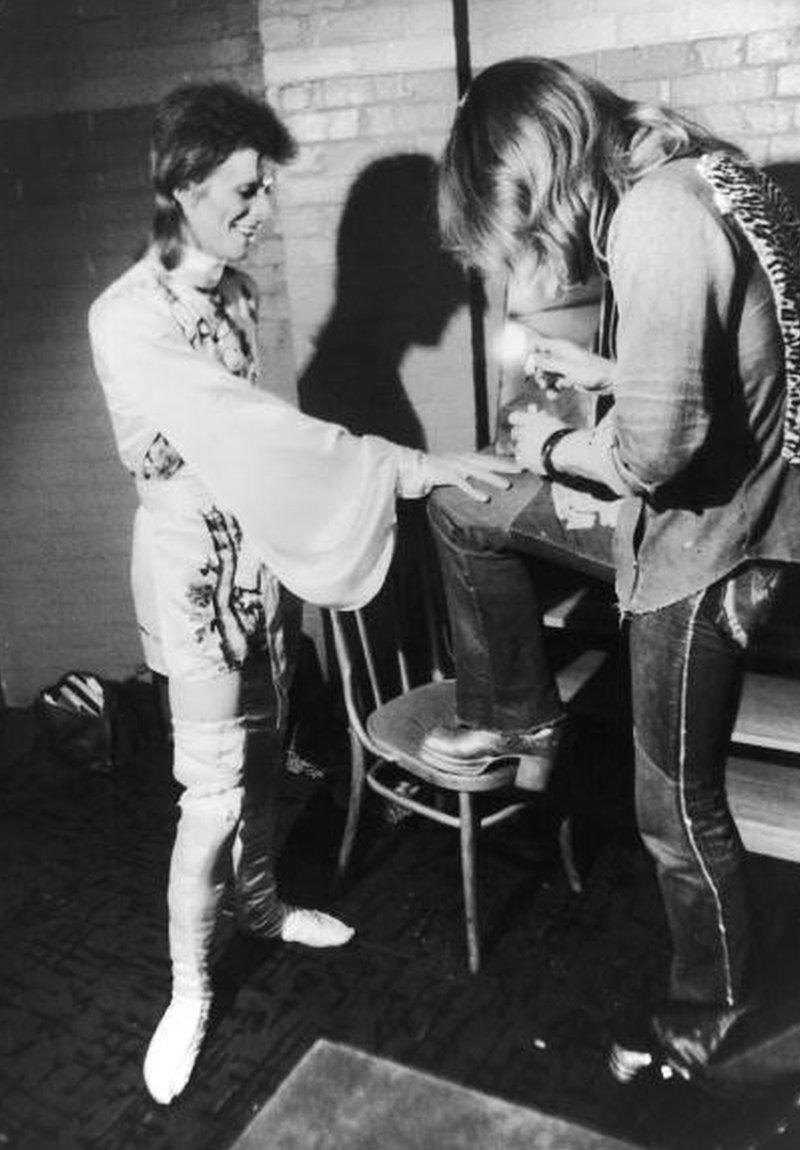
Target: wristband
[{"x": 548, "y": 447}]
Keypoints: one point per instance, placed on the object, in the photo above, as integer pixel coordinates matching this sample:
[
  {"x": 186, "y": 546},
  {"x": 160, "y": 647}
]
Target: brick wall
[
  {"x": 357, "y": 297},
  {"x": 735, "y": 66}
]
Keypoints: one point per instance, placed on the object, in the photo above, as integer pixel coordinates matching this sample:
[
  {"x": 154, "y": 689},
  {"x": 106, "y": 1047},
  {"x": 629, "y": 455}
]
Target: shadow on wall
[{"x": 395, "y": 288}]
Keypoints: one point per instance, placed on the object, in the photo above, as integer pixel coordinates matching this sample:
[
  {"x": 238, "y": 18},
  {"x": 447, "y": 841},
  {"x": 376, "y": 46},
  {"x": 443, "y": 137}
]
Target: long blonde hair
[{"x": 534, "y": 151}]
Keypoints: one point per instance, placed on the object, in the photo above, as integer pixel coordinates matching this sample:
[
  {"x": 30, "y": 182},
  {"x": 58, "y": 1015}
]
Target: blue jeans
[
  {"x": 504, "y": 680},
  {"x": 686, "y": 672}
]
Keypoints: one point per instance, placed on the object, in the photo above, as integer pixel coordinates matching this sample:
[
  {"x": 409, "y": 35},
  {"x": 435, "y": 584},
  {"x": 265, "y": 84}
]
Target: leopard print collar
[{"x": 765, "y": 216}]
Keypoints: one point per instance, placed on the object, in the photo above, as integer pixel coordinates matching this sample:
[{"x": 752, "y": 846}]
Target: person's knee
[
  {"x": 204, "y": 700},
  {"x": 209, "y": 761},
  {"x": 658, "y": 810},
  {"x": 482, "y": 525},
  {"x": 209, "y": 757},
  {"x": 448, "y": 511},
  {"x": 468, "y": 524}
]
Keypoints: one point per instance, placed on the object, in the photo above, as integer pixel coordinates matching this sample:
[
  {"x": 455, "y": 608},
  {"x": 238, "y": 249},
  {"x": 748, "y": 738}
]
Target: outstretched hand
[
  {"x": 570, "y": 364},
  {"x": 462, "y": 469}
]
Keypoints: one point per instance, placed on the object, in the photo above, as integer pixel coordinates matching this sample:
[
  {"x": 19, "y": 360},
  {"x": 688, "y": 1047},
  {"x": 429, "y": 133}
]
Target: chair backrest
[{"x": 397, "y": 641}]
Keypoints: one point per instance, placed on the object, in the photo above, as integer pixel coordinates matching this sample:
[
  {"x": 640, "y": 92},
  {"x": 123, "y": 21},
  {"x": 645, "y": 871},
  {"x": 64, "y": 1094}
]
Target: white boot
[
  {"x": 259, "y": 910},
  {"x": 315, "y": 928},
  {"x": 174, "y": 1047}
]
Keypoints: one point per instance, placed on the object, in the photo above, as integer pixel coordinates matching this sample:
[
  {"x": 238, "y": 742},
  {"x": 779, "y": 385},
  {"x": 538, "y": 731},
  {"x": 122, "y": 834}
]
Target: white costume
[{"x": 241, "y": 498}]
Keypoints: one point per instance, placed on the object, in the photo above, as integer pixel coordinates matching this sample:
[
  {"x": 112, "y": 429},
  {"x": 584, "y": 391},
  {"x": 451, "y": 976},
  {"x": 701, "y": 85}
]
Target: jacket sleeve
[
  {"x": 672, "y": 269},
  {"x": 317, "y": 503}
]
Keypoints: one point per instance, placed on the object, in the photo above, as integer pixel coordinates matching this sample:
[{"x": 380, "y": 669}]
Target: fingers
[
  {"x": 487, "y": 468},
  {"x": 497, "y": 480},
  {"x": 473, "y": 492},
  {"x": 465, "y": 470},
  {"x": 555, "y": 384},
  {"x": 465, "y": 473}
]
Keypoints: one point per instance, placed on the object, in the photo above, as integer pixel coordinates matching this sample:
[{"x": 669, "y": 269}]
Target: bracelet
[{"x": 548, "y": 447}]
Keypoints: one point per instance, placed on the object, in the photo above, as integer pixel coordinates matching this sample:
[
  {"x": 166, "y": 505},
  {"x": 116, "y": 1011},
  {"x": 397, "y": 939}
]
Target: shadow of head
[
  {"x": 391, "y": 267},
  {"x": 396, "y": 288}
]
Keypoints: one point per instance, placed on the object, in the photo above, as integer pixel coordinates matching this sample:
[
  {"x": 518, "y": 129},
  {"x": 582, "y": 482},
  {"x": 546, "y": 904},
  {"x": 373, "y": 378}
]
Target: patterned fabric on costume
[
  {"x": 213, "y": 333},
  {"x": 771, "y": 227},
  {"x": 205, "y": 321}
]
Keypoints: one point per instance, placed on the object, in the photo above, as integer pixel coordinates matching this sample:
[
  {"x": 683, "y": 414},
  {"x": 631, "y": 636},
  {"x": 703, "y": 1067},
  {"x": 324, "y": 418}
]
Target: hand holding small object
[
  {"x": 530, "y": 429},
  {"x": 569, "y": 364}
]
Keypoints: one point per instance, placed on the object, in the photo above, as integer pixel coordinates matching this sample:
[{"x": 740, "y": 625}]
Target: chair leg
[
  {"x": 468, "y": 824},
  {"x": 568, "y": 855},
  {"x": 354, "y": 803}
]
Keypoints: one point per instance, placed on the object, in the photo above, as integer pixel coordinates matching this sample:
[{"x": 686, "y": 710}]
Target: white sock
[
  {"x": 174, "y": 1047},
  {"x": 315, "y": 928}
]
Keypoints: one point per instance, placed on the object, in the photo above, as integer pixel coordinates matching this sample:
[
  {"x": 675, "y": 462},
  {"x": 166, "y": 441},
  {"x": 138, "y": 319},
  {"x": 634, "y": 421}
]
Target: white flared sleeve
[{"x": 316, "y": 503}]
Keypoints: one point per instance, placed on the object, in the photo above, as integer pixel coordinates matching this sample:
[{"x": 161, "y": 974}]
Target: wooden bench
[
  {"x": 764, "y": 788},
  {"x": 763, "y": 774}
]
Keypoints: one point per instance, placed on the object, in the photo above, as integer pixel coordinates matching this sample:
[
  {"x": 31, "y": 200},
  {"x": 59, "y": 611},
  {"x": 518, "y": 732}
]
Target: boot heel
[{"x": 533, "y": 772}]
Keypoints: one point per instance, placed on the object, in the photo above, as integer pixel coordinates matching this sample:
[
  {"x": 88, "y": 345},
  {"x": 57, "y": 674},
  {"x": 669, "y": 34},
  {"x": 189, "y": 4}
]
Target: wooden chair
[{"x": 392, "y": 702}]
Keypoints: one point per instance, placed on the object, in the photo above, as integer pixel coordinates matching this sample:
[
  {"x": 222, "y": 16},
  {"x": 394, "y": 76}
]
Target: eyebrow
[{"x": 264, "y": 182}]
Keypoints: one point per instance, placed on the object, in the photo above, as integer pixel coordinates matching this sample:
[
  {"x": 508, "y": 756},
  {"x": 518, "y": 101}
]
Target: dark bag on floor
[{"x": 77, "y": 716}]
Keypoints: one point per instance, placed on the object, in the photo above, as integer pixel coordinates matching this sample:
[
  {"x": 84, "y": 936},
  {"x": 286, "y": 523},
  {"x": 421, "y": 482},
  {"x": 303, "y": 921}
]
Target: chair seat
[{"x": 398, "y": 728}]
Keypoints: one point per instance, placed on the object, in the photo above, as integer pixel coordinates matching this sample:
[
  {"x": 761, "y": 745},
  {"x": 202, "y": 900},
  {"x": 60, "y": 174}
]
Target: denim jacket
[{"x": 699, "y": 395}]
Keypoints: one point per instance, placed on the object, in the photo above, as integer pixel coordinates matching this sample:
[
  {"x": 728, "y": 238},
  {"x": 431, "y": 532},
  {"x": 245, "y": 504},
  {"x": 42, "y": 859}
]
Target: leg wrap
[{"x": 209, "y": 760}]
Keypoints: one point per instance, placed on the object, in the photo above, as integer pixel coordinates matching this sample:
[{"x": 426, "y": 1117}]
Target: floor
[{"x": 83, "y": 972}]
